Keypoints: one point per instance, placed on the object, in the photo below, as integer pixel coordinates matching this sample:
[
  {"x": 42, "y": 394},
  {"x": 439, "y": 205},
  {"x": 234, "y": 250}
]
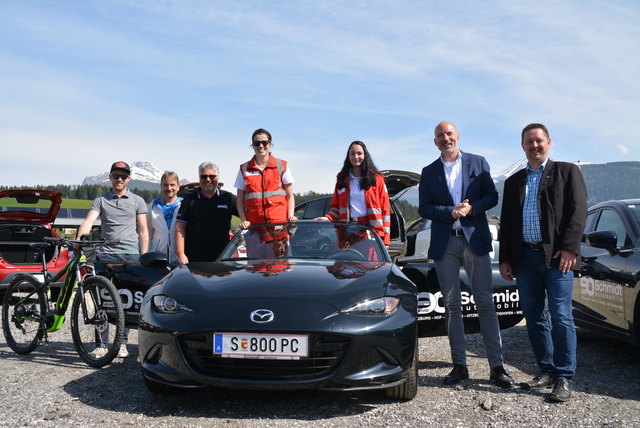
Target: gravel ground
[{"x": 52, "y": 388}]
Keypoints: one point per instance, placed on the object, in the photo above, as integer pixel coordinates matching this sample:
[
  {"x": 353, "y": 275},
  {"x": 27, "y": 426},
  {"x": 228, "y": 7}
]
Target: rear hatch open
[{"x": 25, "y": 217}]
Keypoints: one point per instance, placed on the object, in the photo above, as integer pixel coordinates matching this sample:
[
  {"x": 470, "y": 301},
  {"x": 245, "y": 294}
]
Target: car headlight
[
  {"x": 380, "y": 306},
  {"x": 168, "y": 305}
]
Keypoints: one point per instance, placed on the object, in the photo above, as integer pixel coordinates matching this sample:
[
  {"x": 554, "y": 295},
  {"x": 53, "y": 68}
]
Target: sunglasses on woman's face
[{"x": 257, "y": 143}]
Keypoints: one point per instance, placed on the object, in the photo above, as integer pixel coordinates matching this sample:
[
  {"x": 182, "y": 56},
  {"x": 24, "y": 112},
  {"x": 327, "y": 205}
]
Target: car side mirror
[
  {"x": 154, "y": 259},
  {"x": 606, "y": 239}
]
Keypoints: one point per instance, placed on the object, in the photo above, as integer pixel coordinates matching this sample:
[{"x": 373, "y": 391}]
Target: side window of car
[
  {"x": 591, "y": 218},
  {"x": 316, "y": 208},
  {"x": 299, "y": 212},
  {"x": 610, "y": 220}
]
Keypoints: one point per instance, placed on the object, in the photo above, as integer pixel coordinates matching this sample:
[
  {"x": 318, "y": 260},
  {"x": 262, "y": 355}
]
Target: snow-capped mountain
[
  {"x": 517, "y": 167},
  {"x": 140, "y": 170},
  {"x": 510, "y": 171}
]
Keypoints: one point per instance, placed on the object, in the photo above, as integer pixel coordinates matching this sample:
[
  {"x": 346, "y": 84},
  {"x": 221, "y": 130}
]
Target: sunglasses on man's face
[
  {"x": 209, "y": 176},
  {"x": 119, "y": 176},
  {"x": 257, "y": 143}
]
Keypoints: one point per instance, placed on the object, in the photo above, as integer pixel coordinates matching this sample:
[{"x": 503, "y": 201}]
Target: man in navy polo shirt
[{"x": 204, "y": 219}]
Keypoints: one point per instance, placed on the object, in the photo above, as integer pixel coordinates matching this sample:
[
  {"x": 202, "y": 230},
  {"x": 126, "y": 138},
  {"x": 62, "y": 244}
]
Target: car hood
[
  {"x": 30, "y": 202},
  {"x": 397, "y": 180},
  {"x": 340, "y": 284}
]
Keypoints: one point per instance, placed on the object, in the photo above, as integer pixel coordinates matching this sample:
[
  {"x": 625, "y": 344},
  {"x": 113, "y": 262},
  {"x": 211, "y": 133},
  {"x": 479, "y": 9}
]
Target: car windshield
[{"x": 306, "y": 240}]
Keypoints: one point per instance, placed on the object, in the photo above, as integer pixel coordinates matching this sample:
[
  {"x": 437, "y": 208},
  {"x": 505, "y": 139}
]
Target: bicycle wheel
[
  {"x": 97, "y": 321},
  {"x": 23, "y": 310}
]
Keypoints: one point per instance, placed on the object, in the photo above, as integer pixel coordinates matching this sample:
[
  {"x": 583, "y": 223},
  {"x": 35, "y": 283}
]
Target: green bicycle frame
[{"x": 71, "y": 275}]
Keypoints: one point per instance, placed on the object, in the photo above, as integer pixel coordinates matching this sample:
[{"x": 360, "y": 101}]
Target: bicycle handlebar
[{"x": 63, "y": 241}]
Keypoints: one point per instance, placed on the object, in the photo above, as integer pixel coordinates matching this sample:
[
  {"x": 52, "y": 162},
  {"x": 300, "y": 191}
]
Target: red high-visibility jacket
[
  {"x": 376, "y": 198},
  {"x": 265, "y": 199}
]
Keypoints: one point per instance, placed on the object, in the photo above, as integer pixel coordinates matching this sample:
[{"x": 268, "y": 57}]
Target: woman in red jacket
[{"x": 361, "y": 194}]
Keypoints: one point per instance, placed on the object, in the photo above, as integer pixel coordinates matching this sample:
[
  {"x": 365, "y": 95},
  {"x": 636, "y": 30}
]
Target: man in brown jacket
[{"x": 544, "y": 212}]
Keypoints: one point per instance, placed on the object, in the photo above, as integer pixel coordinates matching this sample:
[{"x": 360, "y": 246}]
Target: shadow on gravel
[
  {"x": 605, "y": 366},
  {"x": 119, "y": 387},
  {"x": 55, "y": 354}
]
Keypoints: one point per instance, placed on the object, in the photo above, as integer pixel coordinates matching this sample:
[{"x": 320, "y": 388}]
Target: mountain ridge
[
  {"x": 140, "y": 170},
  {"x": 604, "y": 182}
]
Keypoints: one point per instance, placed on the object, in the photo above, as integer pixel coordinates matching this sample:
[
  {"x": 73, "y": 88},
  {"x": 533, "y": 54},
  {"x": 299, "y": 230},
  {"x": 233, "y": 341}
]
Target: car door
[
  {"x": 418, "y": 237},
  {"x": 599, "y": 290}
]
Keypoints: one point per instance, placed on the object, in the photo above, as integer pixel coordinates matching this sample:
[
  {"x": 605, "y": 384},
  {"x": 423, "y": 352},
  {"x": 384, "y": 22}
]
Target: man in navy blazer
[{"x": 455, "y": 192}]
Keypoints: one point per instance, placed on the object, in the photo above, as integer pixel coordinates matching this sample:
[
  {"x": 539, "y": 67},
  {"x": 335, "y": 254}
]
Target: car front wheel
[{"x": 409, "y": 389}]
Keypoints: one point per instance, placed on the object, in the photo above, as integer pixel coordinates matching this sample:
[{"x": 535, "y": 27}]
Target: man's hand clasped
[{"x": 461, "y": 210}]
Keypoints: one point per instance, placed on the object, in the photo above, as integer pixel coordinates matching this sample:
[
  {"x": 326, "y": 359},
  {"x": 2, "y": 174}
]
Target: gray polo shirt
[{"x": 118, "y": 215}]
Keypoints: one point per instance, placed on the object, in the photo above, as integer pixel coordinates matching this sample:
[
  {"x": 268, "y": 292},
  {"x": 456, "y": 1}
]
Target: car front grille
[{"x": 326, "y": 351}]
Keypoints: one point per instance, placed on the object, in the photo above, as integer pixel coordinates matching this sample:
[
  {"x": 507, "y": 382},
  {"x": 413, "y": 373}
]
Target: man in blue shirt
[{"x": 161, "y": 216}]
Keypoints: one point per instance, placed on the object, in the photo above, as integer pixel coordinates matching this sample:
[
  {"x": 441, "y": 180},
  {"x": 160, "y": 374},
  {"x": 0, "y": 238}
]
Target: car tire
[{"x": 409, "y": 389}]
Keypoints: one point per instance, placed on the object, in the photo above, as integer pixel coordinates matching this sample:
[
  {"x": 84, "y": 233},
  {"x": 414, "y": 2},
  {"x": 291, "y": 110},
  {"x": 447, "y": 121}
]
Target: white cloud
[{"x": 186, "y": 82}]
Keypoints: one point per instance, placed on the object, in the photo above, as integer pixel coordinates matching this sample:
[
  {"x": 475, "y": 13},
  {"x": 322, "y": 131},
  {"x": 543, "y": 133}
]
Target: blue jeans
[{"x": 541, "y": 288}]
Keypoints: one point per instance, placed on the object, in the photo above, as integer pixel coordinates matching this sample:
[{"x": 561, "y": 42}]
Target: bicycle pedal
[{"x": 44, "y": 340}]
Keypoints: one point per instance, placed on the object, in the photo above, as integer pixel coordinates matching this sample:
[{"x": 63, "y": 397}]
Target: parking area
[{"x": 52, "y": 387}]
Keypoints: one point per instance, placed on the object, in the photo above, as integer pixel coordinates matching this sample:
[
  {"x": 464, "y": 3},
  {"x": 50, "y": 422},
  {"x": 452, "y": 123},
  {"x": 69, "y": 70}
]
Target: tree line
[
  {"x": 86, "y": 191},
  {"x": 615, "y": 180},
  {"x": 92, "y": 191}
]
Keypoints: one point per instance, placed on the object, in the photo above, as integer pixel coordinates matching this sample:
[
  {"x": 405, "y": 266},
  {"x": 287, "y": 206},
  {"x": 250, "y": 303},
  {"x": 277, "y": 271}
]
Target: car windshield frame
[{"x": 306, "y": 240}]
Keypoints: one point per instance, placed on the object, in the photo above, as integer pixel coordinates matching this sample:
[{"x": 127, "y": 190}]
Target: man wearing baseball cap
[
  {"x": 123, "y": 217},
  {"x": 122, "y": 166}
]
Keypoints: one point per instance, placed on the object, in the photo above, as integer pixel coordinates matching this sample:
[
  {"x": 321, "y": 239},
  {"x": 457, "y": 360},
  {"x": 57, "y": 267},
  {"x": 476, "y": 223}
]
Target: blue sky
[{"x": 176, "y": 83}]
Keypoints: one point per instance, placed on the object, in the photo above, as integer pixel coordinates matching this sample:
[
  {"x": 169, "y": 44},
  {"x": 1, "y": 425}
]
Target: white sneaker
[
  {"x": 98, "y": 353},
  {"x": 123, "y": 353}
]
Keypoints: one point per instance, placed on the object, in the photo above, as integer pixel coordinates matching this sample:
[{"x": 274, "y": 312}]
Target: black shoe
[
  {"x": 541, "y": 381},
  {"x": 458, "y": 373},
  {"x": 500, "y": 376},
  {"x": 561, "y": 392}
]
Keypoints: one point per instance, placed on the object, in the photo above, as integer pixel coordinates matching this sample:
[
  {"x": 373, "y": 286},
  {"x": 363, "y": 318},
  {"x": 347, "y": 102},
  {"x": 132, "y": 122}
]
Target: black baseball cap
[{"x": 121, "y": 165}]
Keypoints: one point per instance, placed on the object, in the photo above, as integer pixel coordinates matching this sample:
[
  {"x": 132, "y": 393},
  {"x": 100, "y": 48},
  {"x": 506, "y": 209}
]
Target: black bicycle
[{"x": 30, "y": 312}]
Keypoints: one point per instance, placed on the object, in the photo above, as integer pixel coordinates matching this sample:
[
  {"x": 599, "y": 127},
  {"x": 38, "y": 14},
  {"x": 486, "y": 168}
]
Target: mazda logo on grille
[{"x": 261, "y": 316}]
